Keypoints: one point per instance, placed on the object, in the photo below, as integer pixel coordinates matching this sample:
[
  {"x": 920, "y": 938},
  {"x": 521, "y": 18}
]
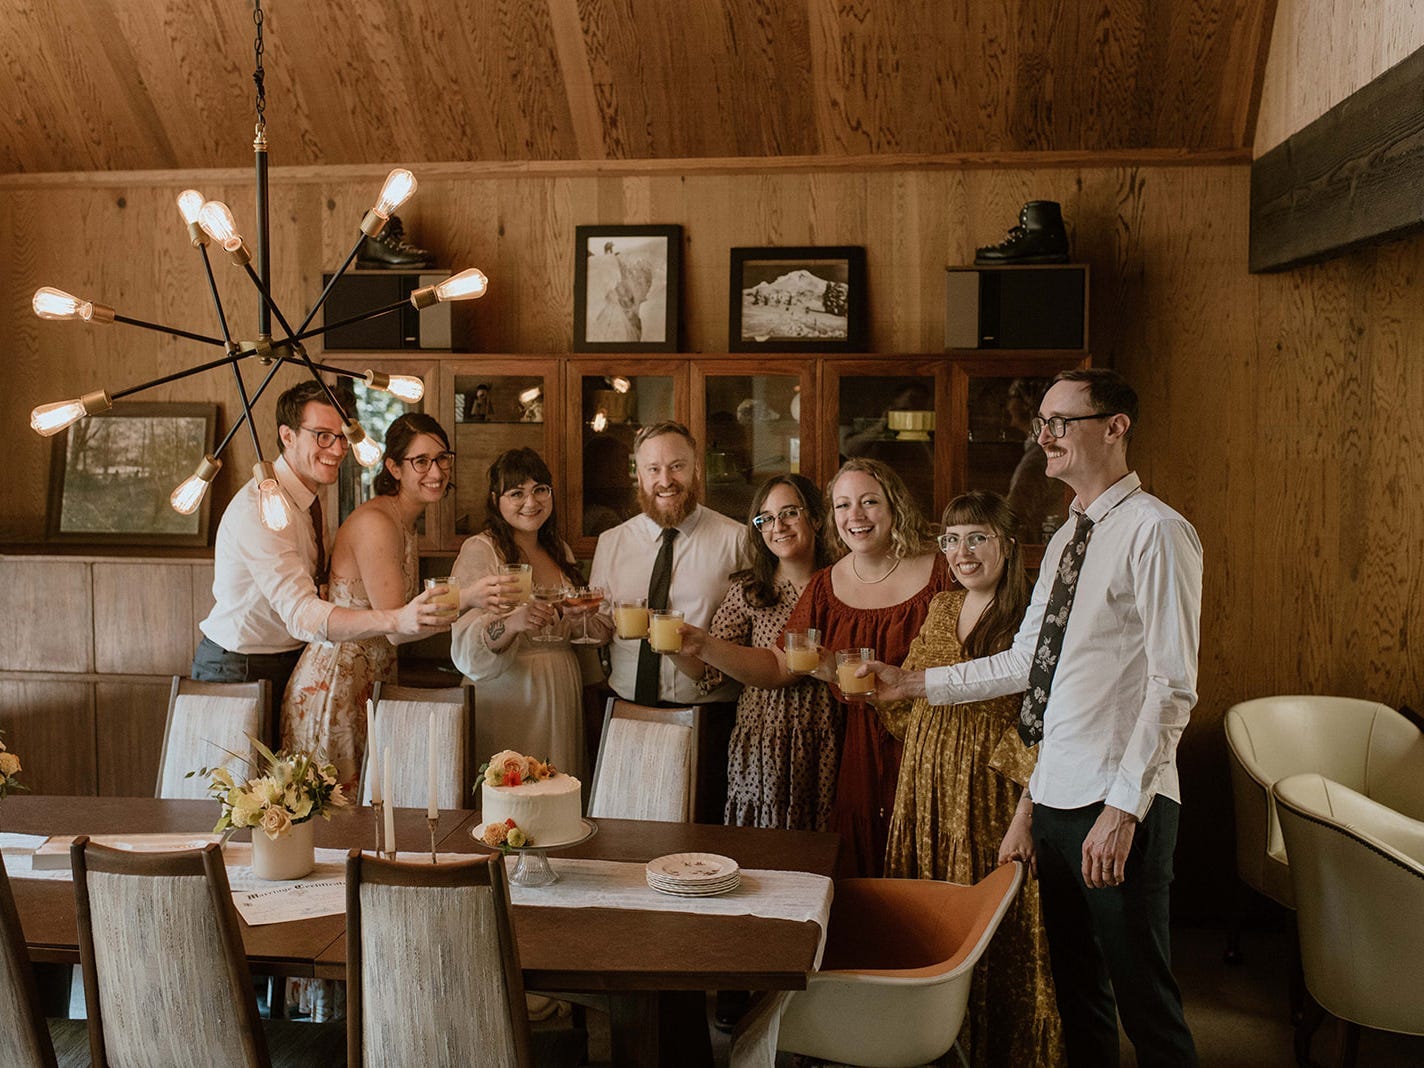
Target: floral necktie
[{"x": 1050, "y": 635}]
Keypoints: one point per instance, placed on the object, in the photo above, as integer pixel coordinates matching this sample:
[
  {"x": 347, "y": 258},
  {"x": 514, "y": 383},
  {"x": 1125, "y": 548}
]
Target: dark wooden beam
[{"x": 1354, "y": 176}]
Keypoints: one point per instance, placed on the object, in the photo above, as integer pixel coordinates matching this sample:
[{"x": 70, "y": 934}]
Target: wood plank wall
[
  {"x": 1322, "y": 51},
  {"x": 1281, "y": 414}
]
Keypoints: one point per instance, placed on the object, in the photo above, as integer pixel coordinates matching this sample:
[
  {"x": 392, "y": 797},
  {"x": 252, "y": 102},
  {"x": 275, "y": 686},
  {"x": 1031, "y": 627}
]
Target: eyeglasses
[
  {"x": 788, "y": 514},
  {"x": 325, "y": 439},
  {"x": 1058, "y": 424},
  {"x": 422, "y": 463},
  {"x": 517, "y": 495},
  {"x": 948, "y": 543}
]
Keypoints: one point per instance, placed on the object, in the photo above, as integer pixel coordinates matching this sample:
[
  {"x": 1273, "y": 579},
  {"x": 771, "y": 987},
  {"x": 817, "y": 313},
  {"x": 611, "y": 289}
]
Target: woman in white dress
[{"x": 528, "y": 685}]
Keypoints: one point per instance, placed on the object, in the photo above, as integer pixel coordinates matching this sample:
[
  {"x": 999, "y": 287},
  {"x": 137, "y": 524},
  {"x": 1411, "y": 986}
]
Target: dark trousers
[
  {"x": 213, "y": 663},
  {"x": 1112, "y": 941}
]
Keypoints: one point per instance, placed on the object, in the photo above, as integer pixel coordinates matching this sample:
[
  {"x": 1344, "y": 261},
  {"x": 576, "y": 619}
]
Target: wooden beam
[{"x": 1350, "y": 178}]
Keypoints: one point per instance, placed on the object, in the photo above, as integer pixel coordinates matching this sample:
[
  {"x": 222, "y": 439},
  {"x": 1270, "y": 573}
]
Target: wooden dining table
[{"x": 654, "y": 967}]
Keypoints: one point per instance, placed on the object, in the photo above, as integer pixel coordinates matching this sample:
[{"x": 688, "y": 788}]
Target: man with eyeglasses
[
  {"x": 266, "y": 584},
  {"x": 690, "y": 552},
  {"x": 1108, "y": 656}
]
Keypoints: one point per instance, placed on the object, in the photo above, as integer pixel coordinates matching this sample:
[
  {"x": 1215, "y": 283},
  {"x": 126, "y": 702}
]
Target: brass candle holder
[{"x": 379, "y": 808}]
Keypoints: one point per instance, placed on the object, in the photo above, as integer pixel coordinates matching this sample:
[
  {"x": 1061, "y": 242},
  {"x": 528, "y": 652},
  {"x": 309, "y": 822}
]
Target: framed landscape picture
[
  {"x": 112, "y": 474},
  {"x": 798, "y": 299},
  {"x": 626, "y": 285}
]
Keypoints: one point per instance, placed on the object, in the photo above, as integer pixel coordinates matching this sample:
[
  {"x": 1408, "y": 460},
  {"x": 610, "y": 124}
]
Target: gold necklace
[{"x": 872, "y": 582}]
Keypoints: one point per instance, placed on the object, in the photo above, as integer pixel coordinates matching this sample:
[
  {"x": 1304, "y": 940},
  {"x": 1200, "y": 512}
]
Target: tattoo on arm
[{"x": 495, "y": 630}]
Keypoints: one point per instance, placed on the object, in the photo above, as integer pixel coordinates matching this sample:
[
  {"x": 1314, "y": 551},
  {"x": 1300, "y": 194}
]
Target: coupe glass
[
  {"x": 588, "y": 598},
  {"x": 548, "y": 595}
]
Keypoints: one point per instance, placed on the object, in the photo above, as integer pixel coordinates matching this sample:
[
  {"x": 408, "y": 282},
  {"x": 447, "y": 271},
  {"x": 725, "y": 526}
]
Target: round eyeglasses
[
  {"x": 445, "y": 460},
  {"x": 789, "y": 514},
  {"x": 948, "y": 543},
  {"x": 517, "y": 495},
  {"x": 1058, "y": 424}
]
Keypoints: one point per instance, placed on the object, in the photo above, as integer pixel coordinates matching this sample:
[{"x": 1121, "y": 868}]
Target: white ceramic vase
[{"x": 288, "y": 857}]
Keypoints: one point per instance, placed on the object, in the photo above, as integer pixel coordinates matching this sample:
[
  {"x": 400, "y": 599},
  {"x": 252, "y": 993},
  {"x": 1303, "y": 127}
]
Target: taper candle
[
  {"x": 432, "y": 810},
  {"x": 373, "y": 753},
  {"x": 390, "y": 804}
]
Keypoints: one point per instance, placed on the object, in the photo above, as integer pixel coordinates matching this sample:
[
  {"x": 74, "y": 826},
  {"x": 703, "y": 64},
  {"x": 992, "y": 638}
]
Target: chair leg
[{"x": 1311, "y": 1015}]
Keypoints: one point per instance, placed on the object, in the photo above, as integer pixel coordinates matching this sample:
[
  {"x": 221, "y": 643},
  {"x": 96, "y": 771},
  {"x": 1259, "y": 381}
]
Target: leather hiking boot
[
  {"x": 1038, "y": 238},
  {"x": 389, "y": 250}
]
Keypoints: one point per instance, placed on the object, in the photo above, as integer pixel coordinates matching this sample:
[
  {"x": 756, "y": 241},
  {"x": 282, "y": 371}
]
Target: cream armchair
[
  {"x": 1358, "y": 871},
  {"x": 1364, "y": 745}
]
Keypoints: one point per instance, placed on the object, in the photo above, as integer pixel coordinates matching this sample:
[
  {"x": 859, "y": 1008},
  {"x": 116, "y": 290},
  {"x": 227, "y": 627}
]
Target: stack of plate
[{"x": 694, "y": 874}]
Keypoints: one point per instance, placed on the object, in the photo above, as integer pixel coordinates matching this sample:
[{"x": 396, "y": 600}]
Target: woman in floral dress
[{"x": 785, "y": 745}]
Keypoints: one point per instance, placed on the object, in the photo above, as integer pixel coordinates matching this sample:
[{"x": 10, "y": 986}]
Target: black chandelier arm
[
  {"x": 247, "y": 411},
  {"x": 374, "y": 313},
  {"x": 350, "y": 256},
  {"x": 267, "y": 300},
  {"x": 328, "y": 368},
  {"x": 217, "y": 299},
  {"x": 169, "y": 330},
  {"x": 245, "y": 417}
]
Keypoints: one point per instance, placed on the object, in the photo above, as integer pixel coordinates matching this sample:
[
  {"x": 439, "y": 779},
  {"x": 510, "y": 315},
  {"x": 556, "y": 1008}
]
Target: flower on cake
[
  {"x": 508, "y": 768},
  {"x": 506, "y": 835},
  {"x": 290, "y": 788},
  {"x": 9, "y": 768}
]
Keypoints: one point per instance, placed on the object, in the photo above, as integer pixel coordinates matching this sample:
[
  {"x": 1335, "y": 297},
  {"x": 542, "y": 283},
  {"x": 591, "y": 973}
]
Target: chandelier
[{"x": 211, "y": 221}]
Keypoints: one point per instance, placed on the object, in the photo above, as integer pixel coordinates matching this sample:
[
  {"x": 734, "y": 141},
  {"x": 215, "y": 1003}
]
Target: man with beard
[{"x": 702, "y": 549}]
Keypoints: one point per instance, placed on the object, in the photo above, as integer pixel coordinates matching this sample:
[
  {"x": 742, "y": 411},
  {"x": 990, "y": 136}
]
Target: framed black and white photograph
[
  {"x": 626, "y": 284},
  {"x": 798, "y": 299},
  {"x": 112, "y": 474}
]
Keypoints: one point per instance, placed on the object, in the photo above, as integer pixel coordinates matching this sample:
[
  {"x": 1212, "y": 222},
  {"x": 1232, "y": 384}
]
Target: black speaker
[
  {"x": 1030, "y": 307},
  {"x": 405, "y": 328}
]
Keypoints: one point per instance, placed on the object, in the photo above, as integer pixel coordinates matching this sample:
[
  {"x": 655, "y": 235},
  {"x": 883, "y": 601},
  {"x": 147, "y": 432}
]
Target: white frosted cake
[{"x": 547, "y": 808}]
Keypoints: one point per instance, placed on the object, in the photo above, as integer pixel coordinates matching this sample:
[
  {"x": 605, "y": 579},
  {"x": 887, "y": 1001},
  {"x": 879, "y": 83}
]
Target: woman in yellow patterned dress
[{"x": 961, "y": 777}]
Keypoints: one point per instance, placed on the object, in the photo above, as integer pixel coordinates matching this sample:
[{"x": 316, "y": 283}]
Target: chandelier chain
[{"x": 257, "y": 70}]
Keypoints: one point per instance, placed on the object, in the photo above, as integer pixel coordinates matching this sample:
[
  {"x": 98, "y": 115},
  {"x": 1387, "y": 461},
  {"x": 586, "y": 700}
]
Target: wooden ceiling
[{"x": 160, "y": 84}]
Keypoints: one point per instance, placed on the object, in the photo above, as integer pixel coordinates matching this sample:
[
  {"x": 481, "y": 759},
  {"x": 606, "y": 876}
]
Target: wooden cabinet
[{"x": 947, "y": 422}]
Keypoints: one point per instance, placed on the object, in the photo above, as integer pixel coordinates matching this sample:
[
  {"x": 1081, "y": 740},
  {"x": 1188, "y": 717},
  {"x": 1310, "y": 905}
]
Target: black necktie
[
  {"x": 646, "y": 689},
  {"x": 1050, "y": 636},
  {"x": 318, "y": 528}
]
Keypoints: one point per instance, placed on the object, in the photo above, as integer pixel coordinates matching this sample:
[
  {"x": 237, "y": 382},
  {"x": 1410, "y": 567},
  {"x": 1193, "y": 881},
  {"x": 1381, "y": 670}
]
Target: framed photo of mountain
[
  {"x": 798, "y": 299},
  {"x": 626, "y": 285}
]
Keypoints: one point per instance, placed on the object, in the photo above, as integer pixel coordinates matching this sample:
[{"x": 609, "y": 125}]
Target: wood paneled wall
[
  {"x": 1321, "y": 51},
  {"x": 1280, "y": 413}
]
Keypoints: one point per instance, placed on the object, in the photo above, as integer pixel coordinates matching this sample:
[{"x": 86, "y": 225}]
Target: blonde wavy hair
[{"x": 909, "y": 533}]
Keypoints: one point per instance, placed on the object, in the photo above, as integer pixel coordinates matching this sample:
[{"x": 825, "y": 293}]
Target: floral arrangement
[
  {"x": 9, "y": 768},
  {"x": 508, "y": 768},
  {"x": 291, "y": 788}
]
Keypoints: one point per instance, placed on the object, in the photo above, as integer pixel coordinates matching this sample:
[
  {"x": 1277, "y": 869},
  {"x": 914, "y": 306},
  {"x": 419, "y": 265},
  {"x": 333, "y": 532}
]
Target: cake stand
[{"x": 532, "y": 866}]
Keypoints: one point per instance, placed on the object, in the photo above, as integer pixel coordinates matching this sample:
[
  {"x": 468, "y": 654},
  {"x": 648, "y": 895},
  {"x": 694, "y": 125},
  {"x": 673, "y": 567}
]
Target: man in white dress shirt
[
  {"x": 1098, "y": 822},
  {"x": 705, "y": 548},
  {"x": 265, "y": 582}
]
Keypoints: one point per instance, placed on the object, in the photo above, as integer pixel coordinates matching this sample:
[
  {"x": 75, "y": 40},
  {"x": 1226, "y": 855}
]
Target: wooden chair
[
  {"x": 207, "y": 721},
  {"x": 26, "y": 1040},
  {"x": 432, "y": 969},
  {"x": 894, "y": 980},
  {"x": 197, "y": 1006},
  {"x": 647, "y": 763},
  {"x": 403, "y": 715}
]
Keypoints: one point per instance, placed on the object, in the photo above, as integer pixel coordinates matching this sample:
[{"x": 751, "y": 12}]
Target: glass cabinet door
[
  {"x": 615, "y": 399},
  {"x": 892, "y": 411},
  {"x": 997, "y": 399},
  {"x": 752, "y": 427},
  {"x": 494, "y": 409}
]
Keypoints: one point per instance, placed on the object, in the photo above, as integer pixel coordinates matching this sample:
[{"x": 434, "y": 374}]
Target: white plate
[
  {"x": 692, "y": 869},
  {"x": 696, "y": 893},
  {"x": 676, "y": 888}
]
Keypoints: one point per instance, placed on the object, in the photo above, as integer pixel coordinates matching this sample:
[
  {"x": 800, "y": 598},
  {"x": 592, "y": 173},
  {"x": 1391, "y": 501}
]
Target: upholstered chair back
[
  {"x": 432, "y": 968},
  {"x": 24, "y": 1036},
  {"x": 207, "y": 723},
  {"x": 403, "y": 714},
  {"x": 165, "y": 976},
  {"x": 647, "y": 764},
  {"x": 1358, "y": 870}
]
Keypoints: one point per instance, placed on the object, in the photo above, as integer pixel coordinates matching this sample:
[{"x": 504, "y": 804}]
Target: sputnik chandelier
[{"x": 212, "y": 221}]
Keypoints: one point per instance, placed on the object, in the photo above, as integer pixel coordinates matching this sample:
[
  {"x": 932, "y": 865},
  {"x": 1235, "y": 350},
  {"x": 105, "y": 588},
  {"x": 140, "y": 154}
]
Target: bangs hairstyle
[
  {"x": 398, "y": 438},
  {"x": 996, "y": 627},
  {"x": 909, "y": 533},
  {"x": 510, "y": 470},
  {"x": 759, "y": 580}
]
